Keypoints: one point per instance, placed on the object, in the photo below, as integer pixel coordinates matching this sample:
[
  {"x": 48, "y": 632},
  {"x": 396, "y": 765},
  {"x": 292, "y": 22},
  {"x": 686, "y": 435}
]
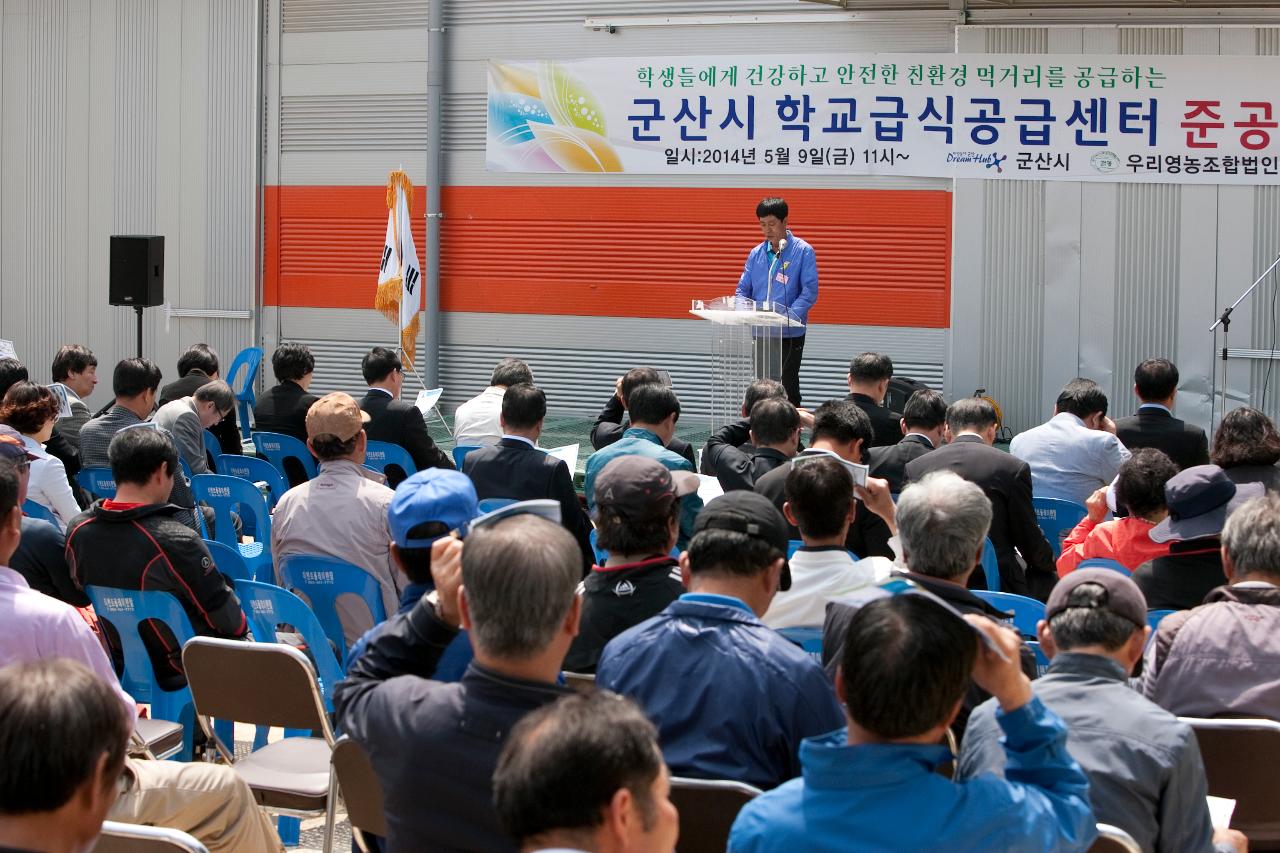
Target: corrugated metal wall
[{"x": 125, "y": 116}]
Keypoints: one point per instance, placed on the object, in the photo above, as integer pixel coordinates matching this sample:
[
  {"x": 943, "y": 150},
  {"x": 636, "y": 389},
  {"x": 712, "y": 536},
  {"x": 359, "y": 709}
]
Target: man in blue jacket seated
[
  {"x": 873, "y": 786},
  {"x": 731, "y": 698}
]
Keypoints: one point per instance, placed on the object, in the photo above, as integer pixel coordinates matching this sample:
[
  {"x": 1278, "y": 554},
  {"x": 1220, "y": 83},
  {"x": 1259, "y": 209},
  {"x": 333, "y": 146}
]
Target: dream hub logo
[{"x": 987, "y": 159}]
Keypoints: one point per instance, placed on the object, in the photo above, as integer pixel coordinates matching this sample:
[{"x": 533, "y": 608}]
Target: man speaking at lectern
[{"x": 784, "y": 271}]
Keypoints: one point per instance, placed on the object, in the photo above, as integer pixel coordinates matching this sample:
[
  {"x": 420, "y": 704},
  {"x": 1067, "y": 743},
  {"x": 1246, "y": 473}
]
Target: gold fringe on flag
[
  {"x": 387, "y": 298},
  {"x": 409, "y": 339}
]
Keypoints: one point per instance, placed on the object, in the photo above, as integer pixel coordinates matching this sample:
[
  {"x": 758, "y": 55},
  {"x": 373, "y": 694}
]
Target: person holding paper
[
  {"x": 393, "y": 420},
  {"x": 782, "y": 271}
]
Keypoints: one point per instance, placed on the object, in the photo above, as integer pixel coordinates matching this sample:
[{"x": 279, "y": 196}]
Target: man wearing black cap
[
  {"x": 1199, "y": 500},
  {"x": 1144, "y": 767},
  {"x": 731, "y": 698}
]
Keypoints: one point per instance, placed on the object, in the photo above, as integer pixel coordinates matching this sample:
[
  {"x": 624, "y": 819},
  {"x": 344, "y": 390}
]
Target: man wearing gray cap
[
  {"x": 1199, "y": 500},
  {"x": 1144, "y": 767},
  {"x": 731, "y": 698},
  {"x": 1222, "y": 659}
]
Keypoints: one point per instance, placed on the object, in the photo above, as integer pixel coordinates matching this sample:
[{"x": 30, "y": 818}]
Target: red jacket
[{"x": 1126, "y": 540}]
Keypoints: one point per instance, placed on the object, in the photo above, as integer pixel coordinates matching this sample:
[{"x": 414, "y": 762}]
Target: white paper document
[
  {"x": 569, "y": 453},
  {"x": 1220, "y": 811},
  {"x": 64, "y": 402},
  {"x": 7, "y": 350},
  {"x": 709, "y": 488},
  {"x": 427, "y": 399}
]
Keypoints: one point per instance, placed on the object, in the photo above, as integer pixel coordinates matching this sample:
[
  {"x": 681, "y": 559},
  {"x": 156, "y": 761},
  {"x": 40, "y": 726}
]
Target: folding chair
[
  {"x": 1240, "y": 761},
  {"x": 1026, "y": 611},
  {"x": 1104, "y": 563},
  {"x": 379, "y": 454},
  {"x": 1113, "y": 839},
  {"x": 229, "y": 561},
  {"x": 99, "y": 482},
  {"x": 361, "y": 791},
  {"x": 582, "y": 682},
  {"x": 707, "y": 810},
  {"x": 460, "y": 453},
  {"x": 249, "y": 358},
  {"x": 227, "y": 494},
  {"x": 490, "y": 504},
  {"x": 1057, "y": 518},
  {"x": 277, "y": 447},
  {"x": 212, "y": 450},
  {"x": 254, "y": 470},
  {"x": 1154, "y": 617},
  {"x": 268, "y": 684},
  {"x": 157, "y": 739},
  {"x": 266, "y": 606},
  {"x": 321, "y": 580},
  {"x": 990, "y": 565},
  {"x": 34, "y": 510},
  {"x": 137, "y": 838}
]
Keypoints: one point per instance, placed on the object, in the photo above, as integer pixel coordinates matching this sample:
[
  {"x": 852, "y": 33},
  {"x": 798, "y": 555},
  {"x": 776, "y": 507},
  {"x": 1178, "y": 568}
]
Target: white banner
[{"x": 1168, "y": 119}]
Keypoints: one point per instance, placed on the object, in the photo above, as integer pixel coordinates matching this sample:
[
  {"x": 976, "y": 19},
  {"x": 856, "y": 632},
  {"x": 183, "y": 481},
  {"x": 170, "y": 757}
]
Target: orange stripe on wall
[{"x": 884, "y": 256}]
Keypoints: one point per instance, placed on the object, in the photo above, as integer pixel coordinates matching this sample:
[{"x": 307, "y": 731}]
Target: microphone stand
[{"x": 1225, "y": 322}]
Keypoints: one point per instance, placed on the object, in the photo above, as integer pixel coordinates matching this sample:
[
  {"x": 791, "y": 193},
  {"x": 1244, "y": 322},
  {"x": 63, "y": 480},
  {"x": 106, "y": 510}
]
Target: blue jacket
[
  {"x": 795, "y": 279},
  {"x": 641, "y": 442},
  {"x": 730, "y": 697},
  {"x": 887, "y": 797}
]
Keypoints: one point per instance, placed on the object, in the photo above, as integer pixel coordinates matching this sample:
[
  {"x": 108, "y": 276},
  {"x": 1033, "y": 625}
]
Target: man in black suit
[
  {"x": 1006, "y": 481},
  {"x": 1156, "y": 384},
  {"x": 869, "y": 376},
  {"x": 283, "y": 408},
  {"x": 199, "y": 366},
  {"x": 924, "y": 421},
  {"x": 393, "y": 420},
  {"x": 516, "y": 468},
  {"x": 611, "y": 422},
  {"x": 773, "y": 433}
]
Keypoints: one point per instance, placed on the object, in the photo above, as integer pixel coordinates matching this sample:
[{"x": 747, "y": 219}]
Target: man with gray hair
[
  {"x": 942, "y": 523},
  {"x": 187, "y": 418},
  {"x": 434, "y": 745},
  {"x": 479, "y": 420},
  {"x": 1222, "y": 659}
]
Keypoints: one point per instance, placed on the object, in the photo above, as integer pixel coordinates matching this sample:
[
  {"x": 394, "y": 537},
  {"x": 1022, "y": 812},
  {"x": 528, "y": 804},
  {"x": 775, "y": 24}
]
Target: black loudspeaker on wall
[{"x": 137, "y": 270}]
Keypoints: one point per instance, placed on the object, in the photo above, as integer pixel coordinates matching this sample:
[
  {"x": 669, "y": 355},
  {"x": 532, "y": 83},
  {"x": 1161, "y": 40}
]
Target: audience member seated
[
  {"x": 1006, "y": 481},
  {"x": 434, "y": 745},
  {"x": 731, "y": 698},
  {"x": 869, "y": 376},
  {"x": 1144, "y": 767},
  {"x": 1076, "y": 452},
  {"x": 134, "y": 382},
  {"x": 1140, "y": 490},
  {"x": 75, "y": 368},
  {"x": 611, "y": 424},
  {"x": 392, "y": 419},
  {"x": 738, "y": 433},
  {"x": 903, "y": 675},
  {"x": 187, "y": 418},
  {"x": 32, "y": 410},
  {"x": 924, "y": 426},
  {"x": 342, "y": 513},
  {"x": 135, "y": 541},
  {"x": 283, "y": 407},
  {"x": 943, "y": 520},
  {"x": 206, "y": 800},
  {"x": 654, "y": 411},
  {"x": 1247, "y": 448},
  {"x": 774, "y": 437},
  {"x": 1222, "y": 659},
  {"x": 1155, "y": 382},
  {"x": 585, "y": 773},
  {"x": 843, "y": 429},
  {"x": 1199, "y": 500},
  {"x": 820, "y": 503},
  {"x": 479, "y": 420},
  {"x": 637, "y": 522},
  {"x": 199, "y": 366},
  {"x": 517, "y": 468},
  {"x": 59, "y": 446}
]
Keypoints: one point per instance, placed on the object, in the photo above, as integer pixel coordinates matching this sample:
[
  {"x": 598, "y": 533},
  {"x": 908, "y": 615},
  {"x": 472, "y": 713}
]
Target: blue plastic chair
[
  {"x": 807, "y": 638},
  {"x": 990, "y": 566},
  {"x": 254, "y": 470},
  {"x": 460, "y": 453},
  {"x": 1104, "y": 563},
  {"x": 99, "y": 482},
  {"x": 228, "y": 560},
  {"x": 1154, "y": 617},
  {"x": 490, "y": 504},
  {"x": 212, "y": 449},
  {"x": 1056, "y": 519},
  {"x": 40, "y": 511},
  {"x": 1026, "y": 611},
  {"x": 249, "y": 358},
  {"x": 793, "y": 546},
  {"x": 321, "y": 580},
  {"x": 379, "y": 454},
  {"x": 277, "y": 447},
  {"x": 1042, "y": 661},
  {"x": 231, "y": 494},
  {"x": 266, "y": 606}
]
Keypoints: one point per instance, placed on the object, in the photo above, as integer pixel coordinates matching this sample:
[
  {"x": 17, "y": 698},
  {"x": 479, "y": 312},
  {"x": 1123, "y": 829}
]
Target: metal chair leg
[{"x": 330, "y": 811}]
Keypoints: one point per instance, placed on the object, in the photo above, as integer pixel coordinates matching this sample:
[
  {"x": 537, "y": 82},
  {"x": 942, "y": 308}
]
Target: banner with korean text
[{"x": 1085, "y": 117}]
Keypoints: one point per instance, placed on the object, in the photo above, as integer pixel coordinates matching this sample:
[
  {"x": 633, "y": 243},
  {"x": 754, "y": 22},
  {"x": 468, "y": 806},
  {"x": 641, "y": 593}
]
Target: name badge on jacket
[{"x": 781, "y": 279}]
